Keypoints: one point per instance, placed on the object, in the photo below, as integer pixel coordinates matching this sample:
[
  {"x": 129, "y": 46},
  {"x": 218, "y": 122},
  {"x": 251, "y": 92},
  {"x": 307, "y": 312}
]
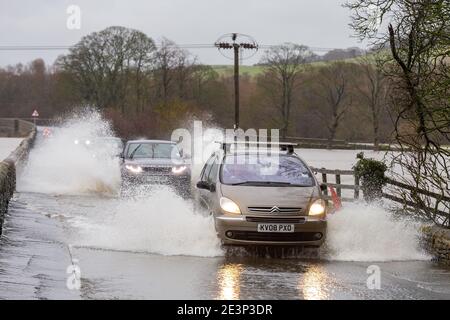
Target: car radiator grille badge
[{"x": 276, "y": 209}]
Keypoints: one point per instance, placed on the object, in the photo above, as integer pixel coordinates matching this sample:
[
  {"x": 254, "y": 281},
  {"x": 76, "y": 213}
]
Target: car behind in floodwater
[
  {"x": 106, "y": 147},
  {"x": 156, "y": 162},
  {"x": 263, "y": 199},
  {"x": 101, "y": 147}
]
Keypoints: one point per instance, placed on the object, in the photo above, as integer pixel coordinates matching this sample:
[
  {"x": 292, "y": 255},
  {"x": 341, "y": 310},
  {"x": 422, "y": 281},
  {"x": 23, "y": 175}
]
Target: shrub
[{"x": 371, "y": 174}]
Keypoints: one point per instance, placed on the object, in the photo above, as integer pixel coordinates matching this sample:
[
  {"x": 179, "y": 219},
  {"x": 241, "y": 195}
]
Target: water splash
[
  {"x": 362, "y": 232},
  {"x": 57, "y": 165},
  {"x": 159, "y": 222}
]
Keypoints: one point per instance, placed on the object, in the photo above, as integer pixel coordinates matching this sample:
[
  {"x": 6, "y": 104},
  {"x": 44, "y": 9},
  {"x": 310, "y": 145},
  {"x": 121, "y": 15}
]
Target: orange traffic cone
[{"x": 335, "y": 198}]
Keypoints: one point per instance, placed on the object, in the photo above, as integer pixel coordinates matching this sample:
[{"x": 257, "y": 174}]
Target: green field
[{"x": 227, "y": 70}]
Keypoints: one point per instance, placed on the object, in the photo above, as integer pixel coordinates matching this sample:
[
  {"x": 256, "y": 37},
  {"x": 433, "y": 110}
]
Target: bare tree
[
  {"x": 334, "y": 92},
  {"x": 172, "y": 69},
  {"x": 374, "y": 90},
  {"x": 418, "y": 69},
  {"x": 102, "y": 64},
  {"x": 284, "y": 64}
]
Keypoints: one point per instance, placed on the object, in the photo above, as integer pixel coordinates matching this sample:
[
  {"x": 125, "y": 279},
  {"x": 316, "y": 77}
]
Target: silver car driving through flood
[
  {"x": 156, "y": 162},
  {"x": 260, "y": 199}
]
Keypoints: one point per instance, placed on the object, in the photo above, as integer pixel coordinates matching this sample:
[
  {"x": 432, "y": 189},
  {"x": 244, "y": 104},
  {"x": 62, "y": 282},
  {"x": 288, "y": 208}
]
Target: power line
[
  {"x": 64, "y": 47},
  {"x": 181, "y": 46}
]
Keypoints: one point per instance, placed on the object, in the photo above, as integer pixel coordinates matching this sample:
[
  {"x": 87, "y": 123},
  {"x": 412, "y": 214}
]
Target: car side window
[
  {"x": 212, "y": 176},
  {"x": 207, "y": 169}
]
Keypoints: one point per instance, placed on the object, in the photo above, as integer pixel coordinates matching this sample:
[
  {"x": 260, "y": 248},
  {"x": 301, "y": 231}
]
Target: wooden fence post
[
  {"x": 16, "y": 127},
  {"x": 324, "y": 180},
  {"x": 338, "y": 182},
  {"x": 356, "y": 187}
]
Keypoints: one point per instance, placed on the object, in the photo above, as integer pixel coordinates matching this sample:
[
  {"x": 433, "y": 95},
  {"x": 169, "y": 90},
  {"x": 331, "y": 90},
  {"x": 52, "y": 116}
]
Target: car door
[
  {"x": 211, "y": 197},
  {"x": 204, "y": 194}
]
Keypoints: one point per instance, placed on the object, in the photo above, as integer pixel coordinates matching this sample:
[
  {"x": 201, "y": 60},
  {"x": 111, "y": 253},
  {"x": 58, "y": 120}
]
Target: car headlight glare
[
  {"x": 134, "y": 169},
  {"x": 76, "y": 142},
  {"x": 178, "y": 170},
  {"x": 87, "y": 142},
  {"x": 317, "y": 208},
  {"x": 229, "y": 206}
]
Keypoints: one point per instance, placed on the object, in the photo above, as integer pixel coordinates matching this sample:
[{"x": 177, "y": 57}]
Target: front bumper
[
  {"x": 180, "y": 183},
  {"x": 151, "y": 178},
  {"x": 244, "y": 232}
]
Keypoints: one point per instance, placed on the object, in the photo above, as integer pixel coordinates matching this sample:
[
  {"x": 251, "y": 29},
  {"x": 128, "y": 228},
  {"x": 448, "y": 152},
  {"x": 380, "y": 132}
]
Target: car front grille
[
  {"x": 275, "y": 210},
  {"x": 275, "y": 220},
  {"x": 158, "y": 170},
  {"x": 276, "y": 237}
]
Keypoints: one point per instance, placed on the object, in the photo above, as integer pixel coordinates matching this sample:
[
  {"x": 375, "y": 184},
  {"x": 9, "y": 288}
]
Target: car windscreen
[
  {"x": 265, "y": 170},
  {"x": 152, "y": 150}
]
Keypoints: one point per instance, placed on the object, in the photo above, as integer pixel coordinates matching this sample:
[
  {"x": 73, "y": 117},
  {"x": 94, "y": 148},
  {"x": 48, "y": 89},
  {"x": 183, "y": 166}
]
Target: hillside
[{"x": 255, "y": 70}]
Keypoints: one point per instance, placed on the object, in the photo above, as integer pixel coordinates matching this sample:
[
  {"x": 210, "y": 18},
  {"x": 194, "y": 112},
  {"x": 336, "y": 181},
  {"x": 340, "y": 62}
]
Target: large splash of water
[
  {"x": 58, "y": 165},
  {"x": 362, "y": 232},
  {"x": 155, "y": 222}
]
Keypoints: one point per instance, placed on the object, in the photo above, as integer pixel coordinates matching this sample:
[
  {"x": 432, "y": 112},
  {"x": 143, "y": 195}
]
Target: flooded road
[{"x": 43, "y": 242}]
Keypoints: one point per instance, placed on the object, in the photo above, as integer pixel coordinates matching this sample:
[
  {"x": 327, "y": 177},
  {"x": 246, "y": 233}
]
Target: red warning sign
[{"x": 47, "y": 132}]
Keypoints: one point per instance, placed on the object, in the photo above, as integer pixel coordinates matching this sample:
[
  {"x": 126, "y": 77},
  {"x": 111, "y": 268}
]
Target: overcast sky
[{"x": 316, "y": 23}]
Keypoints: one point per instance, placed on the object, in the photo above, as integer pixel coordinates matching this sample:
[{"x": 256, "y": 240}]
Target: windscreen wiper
[
  {"x": 261, "y": 183},
  {"x": 134, "y": 151}
]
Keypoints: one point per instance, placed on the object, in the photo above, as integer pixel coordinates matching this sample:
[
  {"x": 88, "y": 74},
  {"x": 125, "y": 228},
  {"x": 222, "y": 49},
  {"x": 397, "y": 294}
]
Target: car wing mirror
[
  {"x": 202, "y": 185},
  {"x": 323, "y": 187},
  {"x": 205, "y": 185}
]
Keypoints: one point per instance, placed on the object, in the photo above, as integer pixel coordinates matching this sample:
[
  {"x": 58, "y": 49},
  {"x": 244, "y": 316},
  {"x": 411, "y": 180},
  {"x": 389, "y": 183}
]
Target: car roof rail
[{"x": 283, "y": 146}]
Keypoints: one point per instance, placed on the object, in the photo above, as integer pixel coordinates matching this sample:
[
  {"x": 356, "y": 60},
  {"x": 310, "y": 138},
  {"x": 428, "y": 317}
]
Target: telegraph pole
[
  {"x": 236, "y": 85},
  {"x": 237, "y": 47}
]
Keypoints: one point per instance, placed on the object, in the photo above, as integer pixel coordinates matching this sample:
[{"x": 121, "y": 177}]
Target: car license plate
[
  {"x": 275, "y": 227},
  {"x": 154, "y": 179}
]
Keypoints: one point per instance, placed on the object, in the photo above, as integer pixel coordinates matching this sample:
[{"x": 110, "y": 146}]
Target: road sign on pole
[{"x": 35, "y": 114}]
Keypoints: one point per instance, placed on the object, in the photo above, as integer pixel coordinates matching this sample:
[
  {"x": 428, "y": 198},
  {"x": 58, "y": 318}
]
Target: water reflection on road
[
  {"x": 313, "y": 285},
  {"x": 228, "y": 279},
  {"x": 310, "y": 283}
]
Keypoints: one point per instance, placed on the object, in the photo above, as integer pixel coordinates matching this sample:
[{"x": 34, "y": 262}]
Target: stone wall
[
  {"x": 19, "y": 156},
  {"x": 437, "y": 241},
  {"x": 8, "y": 170},
  {"x": 7, "y": 187}
]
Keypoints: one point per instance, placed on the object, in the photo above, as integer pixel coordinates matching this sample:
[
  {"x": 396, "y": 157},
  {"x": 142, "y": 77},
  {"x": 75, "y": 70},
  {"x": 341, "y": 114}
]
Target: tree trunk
[
  {"x": 333, "y": 130},
  {"x": 375, "y": 129}
]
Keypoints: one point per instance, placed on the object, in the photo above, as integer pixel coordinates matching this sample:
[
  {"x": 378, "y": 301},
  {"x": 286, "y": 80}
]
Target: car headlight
[
  {"x": 229, "y": 206},
  {"x": 178, "y": 170},
  {"x": 317, "y": 208},
  {"x": 76, "y": 141},
  {"x": 87, "y": 142},
  {"x": 134, "y": 169}
]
